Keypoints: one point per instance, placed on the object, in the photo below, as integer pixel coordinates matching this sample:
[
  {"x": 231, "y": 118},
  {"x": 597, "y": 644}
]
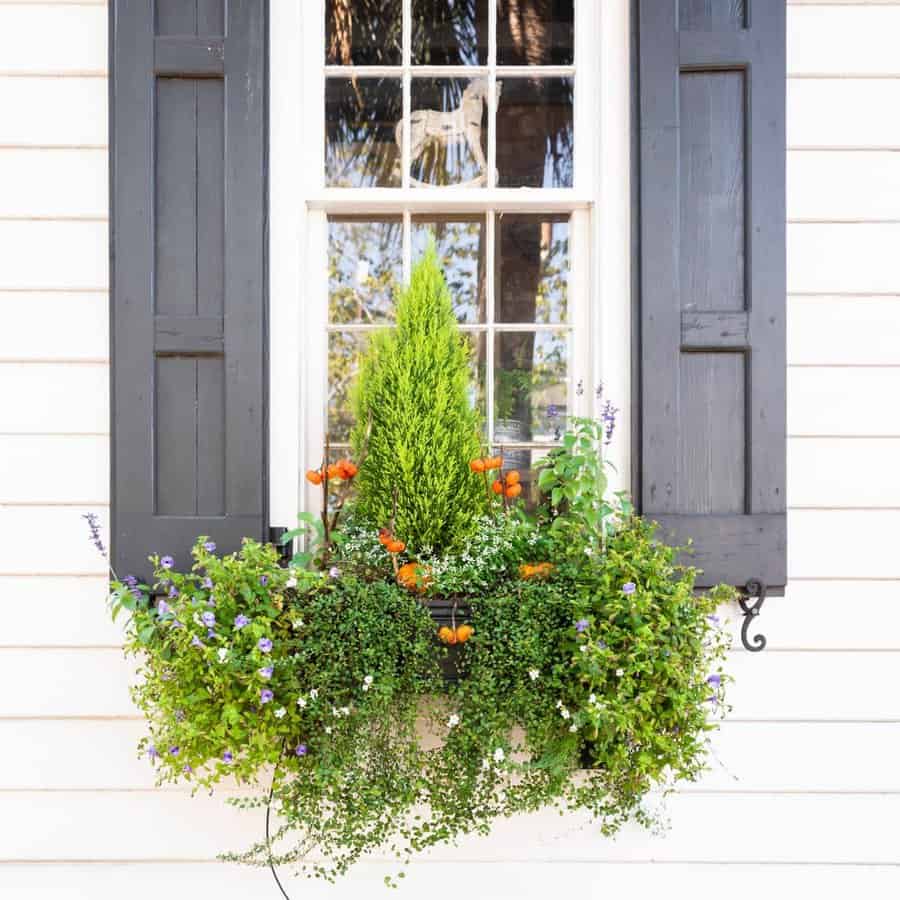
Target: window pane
[
  {"x": 448, "y": 137},
  {"x": 363, "y": 32},
  {"x": 530, "y": 386},
  {"x": 360, "y": 120},
  {"x": 535, "y": 33},
  {"x": 365, "y": 266},
  {"x": 535, "y": 132},
  {"x": 449, "y": 32},
  {"x": 462, "y": 253},
  {"x": 344, "y": 351},
  {"x": 478, "y": 365},
  {"x": 533, "y": 268}
]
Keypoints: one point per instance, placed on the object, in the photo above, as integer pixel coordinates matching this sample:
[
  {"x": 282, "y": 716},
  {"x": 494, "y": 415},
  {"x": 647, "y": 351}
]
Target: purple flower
[
  {"x": 228, "y": 756},
  {"x": 207, "y": 583},
  {"x": 136, "y": 593},
  {"x": 581, "y": 625},
  {"x": 94, "y": 527},
  {"x": 162, "y": 608},
  {"x": 608, "y": 418},
  {"x": 300, "y": 750},
  {"x": 552, "y": 411},
  {"x": 196, "y": 642},
  {"x": 174, "y": 750},
  {"x": 130, "y": 580},
  {"x": 265, "y": 645},
  {"x": 167, "y": 562},
  {"x": 173, "y": 591},
  {"x": 713, "y": 619},
  {"x": 176, "y": 623},
  {"x": 187, "y": 769},
  {"x": 334, "y": 572},
  {"x": 263, "y": 580},
  {"x": 210, "y": 633},
  {"x": 265, "y": 696},
  {"x": 629, "y": 587},
  {"x": 266, "y": 672},
  {"x": 152, "y": 752},
  {"x": 210, "y": 546},
  {"x": 240, "y": 620},
  {"x": 211, "y": 601},
  {"x": 714, "y": 681},
  {"x": 208, "y": 619}
]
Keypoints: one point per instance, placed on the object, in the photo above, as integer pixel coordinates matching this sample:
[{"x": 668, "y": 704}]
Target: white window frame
[{"x": 600, "y": 233}]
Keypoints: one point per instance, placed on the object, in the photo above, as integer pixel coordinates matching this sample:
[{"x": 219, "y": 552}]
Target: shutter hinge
[{"x": 753, "y": 588}]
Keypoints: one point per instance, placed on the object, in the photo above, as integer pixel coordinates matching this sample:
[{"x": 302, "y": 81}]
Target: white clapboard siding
[
  {"x": 54, "y": 398},
  {"x": 784, "y": 686},
  {"x": 767, "y": 827},
  {"x": 843, "y": 544},
  {"x": 817, "y": 40},
  {"x": 46, "y": 182},
  {"x": 49, "y": 539},
  {"x": 497, "y": 880},
  {"x": 837, "y": 258},
  {"x": 53, "y": 112},
  {"x": 841, "y": 185},
  {"x": 53, "y": 469},
  {"x": 54, "y": 255},
  {"x": 44, "y": 39},
  {"x": 836, "y": 113},
  {"x": 844, "y": 401},
  {"x": 42, "y": 326},
  {"x": 101, "y": 754},
  {"x": 843, "y": 331}
]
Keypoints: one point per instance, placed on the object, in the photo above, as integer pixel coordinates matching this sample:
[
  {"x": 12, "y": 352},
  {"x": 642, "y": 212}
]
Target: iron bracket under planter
[{"x": 754, "y": 589}]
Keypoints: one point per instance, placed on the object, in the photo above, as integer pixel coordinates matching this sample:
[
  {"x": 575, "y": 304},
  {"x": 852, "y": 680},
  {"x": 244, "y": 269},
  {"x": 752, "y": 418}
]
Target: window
[{"x": 470, "y": 123}]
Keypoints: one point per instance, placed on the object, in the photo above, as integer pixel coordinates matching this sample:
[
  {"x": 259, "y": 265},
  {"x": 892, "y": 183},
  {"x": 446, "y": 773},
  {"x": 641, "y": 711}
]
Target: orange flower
[
  {"x": 497, "y": 487},
  {"x": 512, "y": 477},
  {"x": 395, "y": 546},
  {"x": 347, "y": 468},
  {"x": 494, "y": 462},
  {"x": 463, "y": 633},
  {"x": 477, "y": 465},
  {"x": 385, "y": 536},
  {"x": 334, "y": 472},
  {"x": 446, "y": 635},
  {"x": 314, "y": 477},
  {"x": 535, "y": 570},
  {"x": 513, "y": 491},
  {"x": 414, "y": 577}
]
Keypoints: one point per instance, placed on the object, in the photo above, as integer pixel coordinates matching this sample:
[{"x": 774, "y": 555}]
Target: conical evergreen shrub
[{"x": 414, "y": 383}]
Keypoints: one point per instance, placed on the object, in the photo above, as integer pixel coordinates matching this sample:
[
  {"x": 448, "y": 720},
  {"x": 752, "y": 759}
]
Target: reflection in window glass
[
  {"x": 363, "y": 32},
  {"x": 532, "y": 268},
  {"x": 535, "y": 133},
  {"x": 462, "y": 254},
  {"x": 361, "y": 115},
  {"x": 478, "y": 365},
  {"x": 449, "y": 32},
  {"x": 530, "y": 386},
  {"x": 344, "y": 352},
  {"x": 448, "y": 134},
  {"x": 365, "y": 266},
  {"x": 536, "y": 32}
]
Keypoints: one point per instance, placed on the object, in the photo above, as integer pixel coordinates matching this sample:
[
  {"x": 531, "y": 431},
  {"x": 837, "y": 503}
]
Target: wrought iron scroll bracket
[
  {"x": 751, "y": 605},
  {"x": 285, "y": 551}
]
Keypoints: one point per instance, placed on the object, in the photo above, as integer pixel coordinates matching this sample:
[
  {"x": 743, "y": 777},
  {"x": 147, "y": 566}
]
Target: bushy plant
[{"x": 413, "y": 412}]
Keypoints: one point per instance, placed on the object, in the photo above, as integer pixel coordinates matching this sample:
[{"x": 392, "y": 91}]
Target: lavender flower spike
[{"x": 94, "y": 526}]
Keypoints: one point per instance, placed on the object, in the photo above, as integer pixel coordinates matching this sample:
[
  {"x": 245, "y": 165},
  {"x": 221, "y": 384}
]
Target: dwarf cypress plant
[{"x": 414, "y": 386}]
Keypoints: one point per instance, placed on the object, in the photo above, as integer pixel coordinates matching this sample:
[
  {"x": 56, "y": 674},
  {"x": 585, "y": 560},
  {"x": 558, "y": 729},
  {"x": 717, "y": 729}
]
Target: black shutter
[
  {"x": 188, "y": 237},
  {"x": 712, "y": 281}
]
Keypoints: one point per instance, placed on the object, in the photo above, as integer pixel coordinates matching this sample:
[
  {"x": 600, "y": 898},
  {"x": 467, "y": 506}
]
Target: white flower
[
  {"x": 533, "y": 674},
  {"x": 564, "y": 713},
  {"x": 573, "y": 727},
  {"x": 592, "y": 698},
  {"x": 583, "y": 648},
  {"x": 291, "y": 582},
  {"x": 345, "y": 710},
  {"x": 559, "y": 704},
  {"x": 367, "y": 682},
  {"x": 453, "y": 721},
  {"x": 499, "y": 755},
  {"x": 327, "y": 729},
  {"x": 335, "y": 711},
  {"x": 223, "y": 654},
  {"x": 280, "y": 713},
  {"x": 297, "y": 624},
  {"x": 301, "y": 702},
  {"x": 313, "y": 694},
  {"x": 620, "y": 673},
  {"x": 485, "y": 764}
]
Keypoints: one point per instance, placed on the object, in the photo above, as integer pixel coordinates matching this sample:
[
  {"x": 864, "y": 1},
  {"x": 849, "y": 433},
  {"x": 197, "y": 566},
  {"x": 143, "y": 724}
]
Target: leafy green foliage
[{"x": 414, "y": 384}]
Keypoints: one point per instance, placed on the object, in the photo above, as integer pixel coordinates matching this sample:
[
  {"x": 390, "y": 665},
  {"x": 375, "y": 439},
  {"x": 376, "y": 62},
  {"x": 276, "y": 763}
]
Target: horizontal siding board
[
  {"x": 54, "y": 255},
  {"x": 843, "y": 331},
  {"x": 775, "y": 828},
  {"x": 836, "y": 113},
  {"x": 54, "y": 398},
  {"x": 789, "y": 685},
  {"x": 497, "y": 880},
  {"x": 843, "y": 185},
  {"x": 54, "y": 326},
  {"x": 817, "y": 40},
  {"x": 53, "y": 112},
  {"x": 837, "y": 258},
  {"x": 47, "y": 39},
  {"x": 49, "y": 540},
  {"x": 60, "y": 182},
  {"x": 844, "y": 401},
  {"x": 746, "y": 757},
  {"x": 54, "y": 469}
]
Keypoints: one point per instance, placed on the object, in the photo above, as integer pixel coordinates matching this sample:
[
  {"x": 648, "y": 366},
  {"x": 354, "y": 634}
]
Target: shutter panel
[
  {"x": 187, "y": 157},
  {"x": 712, "y": 282}
]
